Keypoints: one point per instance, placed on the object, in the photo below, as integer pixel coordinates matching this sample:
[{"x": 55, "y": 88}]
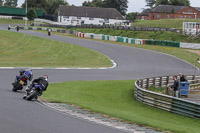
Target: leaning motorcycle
[
  {"x": 34, "y": 92},
  {"x": 21, "y": 81}
]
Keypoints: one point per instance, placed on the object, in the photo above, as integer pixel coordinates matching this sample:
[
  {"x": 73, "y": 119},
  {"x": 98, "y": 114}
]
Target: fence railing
[{"x": 165, "y": 102}]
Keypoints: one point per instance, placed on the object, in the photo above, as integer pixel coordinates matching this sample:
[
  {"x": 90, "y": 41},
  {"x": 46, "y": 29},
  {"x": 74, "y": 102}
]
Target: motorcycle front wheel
[{"x": 32, "y": 95}]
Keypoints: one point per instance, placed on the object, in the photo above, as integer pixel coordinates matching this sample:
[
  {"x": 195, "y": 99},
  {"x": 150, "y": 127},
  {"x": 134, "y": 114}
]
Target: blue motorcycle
[
  {"x": 35, "y": 91},
  {"x": 22, "y": 80}
]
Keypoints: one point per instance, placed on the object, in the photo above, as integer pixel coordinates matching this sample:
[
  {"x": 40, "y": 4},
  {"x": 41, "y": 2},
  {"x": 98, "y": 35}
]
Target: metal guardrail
[{"x": 165, "y": 102}]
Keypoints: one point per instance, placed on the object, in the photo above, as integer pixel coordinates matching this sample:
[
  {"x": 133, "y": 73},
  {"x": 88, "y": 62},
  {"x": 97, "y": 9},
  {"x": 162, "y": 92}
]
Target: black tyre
[
  {"x": 32, "y": 95},
  {"x": 18, "y": 86}
]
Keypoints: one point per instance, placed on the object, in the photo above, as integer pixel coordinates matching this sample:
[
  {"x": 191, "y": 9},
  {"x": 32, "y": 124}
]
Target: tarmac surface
[{"x": 20, "y": 116}]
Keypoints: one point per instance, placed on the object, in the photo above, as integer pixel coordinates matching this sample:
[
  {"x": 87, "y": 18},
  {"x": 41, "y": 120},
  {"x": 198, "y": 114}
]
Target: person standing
[
  {"x": 182, "y": 78},
  {"x": 17, "y": 27},
  {"x": 49, "y": 32},
  {"x": 175, "y": 86}
]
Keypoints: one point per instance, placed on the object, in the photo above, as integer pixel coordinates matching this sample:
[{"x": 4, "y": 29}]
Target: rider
[
  {"x": 43, "y": 81},
  {"x": 24, "y": 73}
]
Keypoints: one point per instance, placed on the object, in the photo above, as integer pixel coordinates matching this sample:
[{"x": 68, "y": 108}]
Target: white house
[{"x": 74, "y": 15}]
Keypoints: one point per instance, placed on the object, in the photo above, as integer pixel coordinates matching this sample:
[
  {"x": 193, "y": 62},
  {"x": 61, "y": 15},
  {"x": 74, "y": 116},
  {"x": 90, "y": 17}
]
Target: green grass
[
  {"x": 163, "y": 23},
  {"x": 116, "y": 99},
  {"x": 11, "y": 21},
  {"x": 181, "y": 53},
  {"x": 156, "y": 35},
  {"x": 21, "y": 50},
  {"x": 177, "y": 52}
]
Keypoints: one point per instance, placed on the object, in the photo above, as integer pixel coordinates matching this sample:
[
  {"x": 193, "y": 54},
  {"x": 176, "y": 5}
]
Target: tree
[
  {"x": 132, "y": 16},
  {"x": 31, "y": 14},
  {"x": 180, "y": 2},
  {"x": 10, "y": 3},
  {"x": 173, "y": 2},
  {"x": 120, "y": 5},
  {"x": 54, "y": 5},
  {"x": 162, "y": 2},
  {"x": 1, "y": 3},
  {"x": 38, "y": 4},
  {"x": 150, "y": 3},
  {"x": 94, "y": 3}
]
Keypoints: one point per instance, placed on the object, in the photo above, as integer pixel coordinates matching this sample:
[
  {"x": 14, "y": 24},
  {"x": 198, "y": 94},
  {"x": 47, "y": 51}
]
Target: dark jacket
[
  {"x": 183, "y": 79},
  {"x": 175, "y": 85},
  {"x": 41, "y": 81}
]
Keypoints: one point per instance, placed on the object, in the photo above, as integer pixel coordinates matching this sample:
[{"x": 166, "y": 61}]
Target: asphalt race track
[{"x": 20, "y": 116}]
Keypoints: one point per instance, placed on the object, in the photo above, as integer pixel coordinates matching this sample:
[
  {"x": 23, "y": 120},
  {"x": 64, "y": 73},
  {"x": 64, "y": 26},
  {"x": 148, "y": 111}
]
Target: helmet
[
  {"x": 45, "y": 77},
  {"x": 28, "y": 73}
]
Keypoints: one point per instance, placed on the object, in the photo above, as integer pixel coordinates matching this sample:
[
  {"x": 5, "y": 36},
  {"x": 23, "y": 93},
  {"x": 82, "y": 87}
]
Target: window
[
  {"x": 91, "y": 18},
  {"x": 158, "y": 16},
  {"x": 189, "y": 17},
  {"x": 181, "y": 17},
  {"x": 189, "y": 10},
  {"x": 167, "y": 16},
  {"x": 66, "y": 17},
  {"x": 78, "y": 17}
]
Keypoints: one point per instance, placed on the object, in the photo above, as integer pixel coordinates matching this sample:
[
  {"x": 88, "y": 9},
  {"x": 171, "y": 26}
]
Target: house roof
[
  {"x": 197, "y": 8},
  {"x": 145, "y": 12},
  {"x": 92, "y": 12},
  {"x": 168, "y": 8}
]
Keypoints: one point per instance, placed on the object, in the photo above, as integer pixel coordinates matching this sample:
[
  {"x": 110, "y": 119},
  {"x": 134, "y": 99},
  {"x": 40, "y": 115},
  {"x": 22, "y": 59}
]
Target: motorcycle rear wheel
[{"x": 18, "y": 86}]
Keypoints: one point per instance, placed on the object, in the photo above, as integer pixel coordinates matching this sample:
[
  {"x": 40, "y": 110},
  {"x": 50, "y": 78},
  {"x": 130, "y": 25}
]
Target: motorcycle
[
  {"x": 34, "y": 92},
  {"x": 21, "y": 81}
]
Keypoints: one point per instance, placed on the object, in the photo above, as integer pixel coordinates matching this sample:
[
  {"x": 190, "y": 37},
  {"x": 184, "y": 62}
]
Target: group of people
[
  {"x": 175, "y": 86},
  {"x": 42, "y": 81}
]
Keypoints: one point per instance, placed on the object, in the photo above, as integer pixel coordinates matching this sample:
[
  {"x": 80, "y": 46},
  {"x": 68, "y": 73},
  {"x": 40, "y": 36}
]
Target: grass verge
[
  {"x": 116, "y": 99},
  {"x": 22, "y": 50},
  {"x": 181, "y": 53},
  {"x": 163, "y": 23},
  {"x": 11, "y": 21},
  {"x": 156, "y": 35}
]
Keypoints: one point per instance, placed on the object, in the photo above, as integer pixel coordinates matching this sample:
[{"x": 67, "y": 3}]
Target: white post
[{"x": 26, "y": 15}]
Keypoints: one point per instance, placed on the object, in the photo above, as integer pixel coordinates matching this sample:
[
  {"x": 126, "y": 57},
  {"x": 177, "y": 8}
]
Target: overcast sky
[{"x": 133, "y": 6}]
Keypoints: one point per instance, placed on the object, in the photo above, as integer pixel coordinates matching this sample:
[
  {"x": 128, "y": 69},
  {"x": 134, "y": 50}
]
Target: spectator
[
  {"x": 175, "y": 86},
  {"x": 182, "y": 78},
  {"x": 9, "y": 27},
  {"x": 17, "y": 27}
]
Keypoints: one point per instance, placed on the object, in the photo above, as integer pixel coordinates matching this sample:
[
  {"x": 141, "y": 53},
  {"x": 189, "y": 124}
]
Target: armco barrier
[
  {"x": 190, "y": 45},
  {"x": 164, "y": 102}
]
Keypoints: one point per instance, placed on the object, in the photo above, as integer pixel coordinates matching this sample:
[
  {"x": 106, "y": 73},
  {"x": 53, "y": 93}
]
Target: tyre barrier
[
  {"x": 165, "y": 102},
  {"x": 131, "y": 40}
]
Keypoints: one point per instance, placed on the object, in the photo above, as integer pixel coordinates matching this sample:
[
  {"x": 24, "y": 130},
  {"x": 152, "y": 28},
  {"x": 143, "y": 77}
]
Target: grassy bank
[
  {"x": 21, "y": 50},
  {"x": 156, "y": 35},
  {"x": 11, "y": 21},
  {"x": 184, "y": 54},
  {"x": 116, "y": 98},
  {"x": 163, "y": 23}
]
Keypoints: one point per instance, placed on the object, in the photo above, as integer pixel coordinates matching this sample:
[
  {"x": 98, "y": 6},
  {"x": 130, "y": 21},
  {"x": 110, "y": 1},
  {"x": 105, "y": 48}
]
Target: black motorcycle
[
  {"x": 34, "y": 92},
  {"x": 19, "y": 83}
]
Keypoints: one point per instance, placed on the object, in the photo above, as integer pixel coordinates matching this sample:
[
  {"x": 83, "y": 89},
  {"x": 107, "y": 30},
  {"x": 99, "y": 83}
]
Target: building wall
[
  {"x": 73, "y": 20},
  {"x": 187, "y": 13},
  {"x": 143, "y": 17}
]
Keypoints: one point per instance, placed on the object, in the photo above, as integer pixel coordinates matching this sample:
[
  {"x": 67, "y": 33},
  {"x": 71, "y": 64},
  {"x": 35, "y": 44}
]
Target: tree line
[
  {"x": 154, "y": 3},
  {"x": 51, "y": 6}
]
